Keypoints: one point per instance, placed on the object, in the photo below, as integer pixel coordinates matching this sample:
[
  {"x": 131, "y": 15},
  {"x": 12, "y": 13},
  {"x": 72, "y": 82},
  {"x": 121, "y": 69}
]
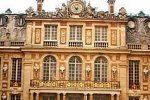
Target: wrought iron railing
[
  {"x": 50, "y": 43},
  {"x": 74, "y": 84},
  {"x": 75, "y": 44},
  {"x": 134, "y": 46},
  {"x": 15, "y": 83},
  {"x": 101, "y": 44}
]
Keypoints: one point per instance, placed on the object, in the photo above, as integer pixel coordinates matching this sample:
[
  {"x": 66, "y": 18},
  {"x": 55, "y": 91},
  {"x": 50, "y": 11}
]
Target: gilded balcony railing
[
  {"x": 15, "y": 83},
  {"x": 101, "y": 44},
  {"x": 74, "y": 84},
  {"x": 134, "y": 46}
]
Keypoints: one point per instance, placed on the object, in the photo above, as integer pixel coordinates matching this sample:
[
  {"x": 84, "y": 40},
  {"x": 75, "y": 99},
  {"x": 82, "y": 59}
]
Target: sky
[{"x": 132, "y": 6}]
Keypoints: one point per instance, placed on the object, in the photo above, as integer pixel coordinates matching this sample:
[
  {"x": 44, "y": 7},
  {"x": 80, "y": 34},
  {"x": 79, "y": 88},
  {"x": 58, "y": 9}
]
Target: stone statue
[
  {"x": 30, "y": 12},
  {"x": 122, "y": 13}
]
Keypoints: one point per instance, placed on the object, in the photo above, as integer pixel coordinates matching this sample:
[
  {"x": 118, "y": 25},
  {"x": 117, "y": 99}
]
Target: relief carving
[
  {"x": 63, "y": 33},
  {"x": 114, "y": 37},
  {"x": 5, "y": 70},
  {"x": 37, "y": 35},
  {"x": 36, "y": 69},
  {"x": 88, "y": 36}
]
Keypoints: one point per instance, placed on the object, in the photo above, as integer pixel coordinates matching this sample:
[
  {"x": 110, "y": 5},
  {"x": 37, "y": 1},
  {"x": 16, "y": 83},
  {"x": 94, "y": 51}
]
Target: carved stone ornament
[
  {"x": 77, "y": 9},
  {"x": 146, "y": 98},
  {"x": 62, "y": 69},
  {"x": 5, "y": 68},
  {"x": 3, "y": 96},
  {"x": 145, "y": 71},
  {"x": 88, "y": 69},
  {"x": 36, "y": 67},
  {"x": 122, "y": 13},
  {"x": 30, "y": 12}
]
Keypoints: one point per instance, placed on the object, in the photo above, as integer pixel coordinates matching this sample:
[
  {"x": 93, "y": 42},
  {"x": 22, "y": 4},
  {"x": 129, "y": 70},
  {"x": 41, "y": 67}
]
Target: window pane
[
  {"x": 133, "y": 72},
  {"x": 75, "y": 33},
  {"x": 16, "y": 68},
  {"x": 49, "y": 68},
  {"x": 100, "y": 69},
  {"x": 51, "y": 32},
  {"x": 100, "y": 33},
  {"x": 75, "y": 68}
]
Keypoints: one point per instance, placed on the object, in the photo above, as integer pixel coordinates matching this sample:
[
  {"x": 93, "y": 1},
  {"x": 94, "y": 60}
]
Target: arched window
[
  {"x": 49, "y": 68},
  {"x": 75, "y": 68},
  {"x": 100, "y": 69}
]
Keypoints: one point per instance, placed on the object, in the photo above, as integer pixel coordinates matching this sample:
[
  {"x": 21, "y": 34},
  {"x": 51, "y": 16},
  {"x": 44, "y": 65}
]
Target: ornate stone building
[{"x": 74, "y": 53}]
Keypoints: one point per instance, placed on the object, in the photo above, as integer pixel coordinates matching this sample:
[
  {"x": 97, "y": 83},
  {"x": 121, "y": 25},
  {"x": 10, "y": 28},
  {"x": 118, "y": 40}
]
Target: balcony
[
  {"x": 134, "y": 46},
  {"x": 17, "y": 44},
  {"x": 50, "y": 43},
  {"x": 15, "y": 83},
  {"x": 101, "y": 44},
  {"x": 75, "y": 44},
  {"x": 80, "y": 85}
]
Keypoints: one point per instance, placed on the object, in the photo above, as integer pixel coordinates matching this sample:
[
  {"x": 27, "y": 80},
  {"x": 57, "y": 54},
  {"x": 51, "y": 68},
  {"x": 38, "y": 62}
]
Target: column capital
[
  {"x": 112, "y": 94},
  {"x": 85, "y": 94}
]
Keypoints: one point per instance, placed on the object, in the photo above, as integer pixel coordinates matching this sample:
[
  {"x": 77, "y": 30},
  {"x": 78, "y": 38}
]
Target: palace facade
[{"x": 74, "y": 53}]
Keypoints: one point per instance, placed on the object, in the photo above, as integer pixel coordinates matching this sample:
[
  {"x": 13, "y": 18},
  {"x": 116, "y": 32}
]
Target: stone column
[
  {"x": 118, "y": 96},
  {"x": 112, "y": 96},
  {"x": 64, "y": 96},
  {"x": 31, "y": 96},
  {"x": 91, "y": 97},
  {"x": 85, "y": 96},
  {"x": 58, "y": 96},
  {"x": 37, "y": 96}
]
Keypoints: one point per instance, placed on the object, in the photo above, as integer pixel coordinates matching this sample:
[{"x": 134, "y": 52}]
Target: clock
[
  {"x": 131, "y": 24},
  {"x": 76, "y": 8},
  {"x": 148, "y": 24}
]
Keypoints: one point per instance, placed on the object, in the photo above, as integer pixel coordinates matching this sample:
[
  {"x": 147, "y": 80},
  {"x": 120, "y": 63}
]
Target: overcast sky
[{"x": 132, "y": 6}]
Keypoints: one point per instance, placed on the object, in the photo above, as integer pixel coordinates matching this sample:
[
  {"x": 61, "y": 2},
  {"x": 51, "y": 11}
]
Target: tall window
[
  {"x": 15, "y": 97},
  {"x": 51, "y": 32},
  {"x": 75, "y": 68},
  {"x": 100, "y": 34},
  {"x": 133, "y": 74},
  {"x": 16, "y": 69},
  {"x": 76, "y": 33},
  {"x": 49, "y": 68},
  {"x": 100, "y": 69}
]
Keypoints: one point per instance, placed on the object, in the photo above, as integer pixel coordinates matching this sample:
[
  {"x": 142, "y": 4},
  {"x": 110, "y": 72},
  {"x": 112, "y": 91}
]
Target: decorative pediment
[{"x": 77, "y": 9}]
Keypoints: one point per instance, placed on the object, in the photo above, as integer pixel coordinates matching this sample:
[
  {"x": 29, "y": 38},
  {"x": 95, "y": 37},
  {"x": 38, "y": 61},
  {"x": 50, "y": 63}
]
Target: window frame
[
  {"x": 48, "y": 34},
  {"x": 99, "y": 74},
  {"x": 102, "y": 34},
  {"x": 77, "y": 33},
  {"x": 49, "y": 67},
  {"x": 75, "y": 68}
]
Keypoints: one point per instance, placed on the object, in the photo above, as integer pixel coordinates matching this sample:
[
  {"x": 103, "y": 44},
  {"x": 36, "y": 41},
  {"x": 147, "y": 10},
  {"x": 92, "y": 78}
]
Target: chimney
[
  {"x": 39, "y": 6},
  {"x": 111, "y": 6}
]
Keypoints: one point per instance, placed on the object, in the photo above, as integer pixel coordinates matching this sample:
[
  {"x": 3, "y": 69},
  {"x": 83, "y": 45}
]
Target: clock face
[
  {"x": 131, "y": 24},
  {"x": 76, "y": 8}
]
